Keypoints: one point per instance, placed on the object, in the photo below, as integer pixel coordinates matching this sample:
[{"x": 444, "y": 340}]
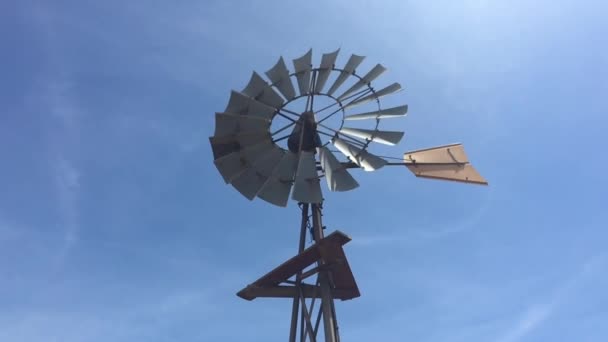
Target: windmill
[{"x": 275, "y": 141}]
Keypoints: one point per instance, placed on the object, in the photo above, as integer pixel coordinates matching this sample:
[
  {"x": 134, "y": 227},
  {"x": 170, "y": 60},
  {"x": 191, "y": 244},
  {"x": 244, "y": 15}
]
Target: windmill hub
[{"x": 304, "y": 136}]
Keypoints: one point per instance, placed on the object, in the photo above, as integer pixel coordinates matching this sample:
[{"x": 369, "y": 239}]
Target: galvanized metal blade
[
  {"x": 365, "y": 80},
  {"x": 279, "y": 75},
  {"x": 307, "y": 188},
  {"x": 261, "y": 91},
  {"x": 383, "y": 137},
  {"x": 303, "y": 66},
  {"x": 388, "y": 113},
  {"x": 253, "y": 179},
  {"x": 277, "y": 187},
  {"x": 327, "y": 64},
  {"x": 364, "y": 159},
  {"x": 338, "y": 178},
  {"x": 391, "y": 89},
  {"x": 244, "y": 105},
  {"x": 349, "y": 69}
]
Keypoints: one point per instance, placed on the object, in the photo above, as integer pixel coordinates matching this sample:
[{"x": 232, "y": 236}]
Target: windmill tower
[{"x": 273, "y": 141}]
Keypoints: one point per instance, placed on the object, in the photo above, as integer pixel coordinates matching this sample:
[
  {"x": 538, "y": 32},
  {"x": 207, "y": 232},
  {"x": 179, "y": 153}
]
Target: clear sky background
[{"x": 116, "y": 226}]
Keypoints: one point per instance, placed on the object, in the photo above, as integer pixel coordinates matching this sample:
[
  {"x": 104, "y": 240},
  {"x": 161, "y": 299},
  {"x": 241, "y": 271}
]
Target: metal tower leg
[
  {"x": 327, "y": 301},
  {"x": 302, "y": 312},
  {"x": 296, "y": 299}
]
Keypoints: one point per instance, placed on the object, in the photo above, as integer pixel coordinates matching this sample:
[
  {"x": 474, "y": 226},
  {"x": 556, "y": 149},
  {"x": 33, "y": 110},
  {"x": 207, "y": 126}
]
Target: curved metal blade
[
  {"x": 235, "y": 163},
  {"x": 303, "y": 65},
  {"x": 349, "y": 69},
  {"x": 367, "y": 79},
  {"x": 391, "y": 89},
  {"x": 327, "y": 63},
  {"x": 364, "y": 159},
  {"x": 383, "y": 137},
  {"x": 253, "y": 179},
  {"x": 388, "y": 113},
  {"x": 261, "y": 91},
  {"x": 224, "y": 145},
  {"x": 279, "y": 75},
  {"x": 276, "y": 189},
  {"x": 307, "y": 188},
  {"x": 244, "y": 105},
  {"x": 338, "y": 178},
  {"x": 231, "y": 124}
]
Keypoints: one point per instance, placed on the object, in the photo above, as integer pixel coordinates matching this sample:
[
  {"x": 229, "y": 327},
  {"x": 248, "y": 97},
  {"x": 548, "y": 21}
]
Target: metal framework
[
  {"x": 311, "y": 302},
  {"x": 246, "y": 153}
]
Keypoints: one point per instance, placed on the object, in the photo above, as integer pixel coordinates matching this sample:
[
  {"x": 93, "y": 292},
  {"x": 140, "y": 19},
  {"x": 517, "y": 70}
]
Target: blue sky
[{"x": 116, "y": 226}]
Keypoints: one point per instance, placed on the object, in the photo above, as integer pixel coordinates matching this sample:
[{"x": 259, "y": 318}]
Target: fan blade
[
  {"x": 276, "y": 189},
  {"x": 364, "y": 159},
  {"x": 380, "y": 114},
  {"x": 245, "y": 105},
  {"x": 303, "y": 65},
  {"x": 391, "y": 89},
  {"x": 338, "y": 178},
  {"x": 307, "y": 187},
  {"x": 365, "y": 80},
  {"x": 232, "y": 165},
  {"x": 383, "y": 137},
  {"x": 224, "y": 145},
  {"x": 327, "y": 64},
  {"x": 253, "y": 179},
  {"x": 349, "y": 69},
  {"x": 228, "y": 124},
  {"x": 447, "y": 162},
  {"x": 261, "y": 91},
  {"x": 279, "y": 75}
]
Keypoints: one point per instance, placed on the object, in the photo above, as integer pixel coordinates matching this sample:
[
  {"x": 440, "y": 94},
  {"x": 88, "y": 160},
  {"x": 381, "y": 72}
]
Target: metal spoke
[
  {"x": 311, "y": 91},
  {"x": 362, "y": 93},
  {"x": 345, "y": 137},
  {"x": 281, "y": 138},
  {"x": 290, "y": 112},
  {"x": 358, "y": 96},
  {"x": 284, "y": 128},
  {"x": 359, "y": 93},
  {"x": 286, "y": 117}
]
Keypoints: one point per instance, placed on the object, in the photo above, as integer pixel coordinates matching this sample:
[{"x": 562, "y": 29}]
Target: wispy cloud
[
  {"x": 64, "y": 138},
  {"x": 428, "y": 233},
  {"x": 537, "y": 314}
]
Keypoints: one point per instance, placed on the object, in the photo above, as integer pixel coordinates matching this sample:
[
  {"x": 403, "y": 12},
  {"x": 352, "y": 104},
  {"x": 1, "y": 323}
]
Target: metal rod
[
  {"x": 312, "y": 94},
  {"x": 346, "y": 98},
  {"x": 368, "y": 90},
  {"x": 364, "y": 92},
  {"x": 296, "y": 299},
  {"x": 286, "y": 117},
  {"x": 284, "y": 128},
  {"x": 281, "y": 138},
  {"x": 326, "y": 295},
  {"x": 319, "y": 314},
  {"x": 307, "y": 315},
  {"x": 344, "y": 136},
  {"x": 327, "y": 134},
  {"x": 350, "y": 165},
  {"x": 290, "y": 111},
  {"x": 311, "y": 310}
]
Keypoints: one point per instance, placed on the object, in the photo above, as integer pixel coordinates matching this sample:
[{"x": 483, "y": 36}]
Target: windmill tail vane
[{"x": 273, "y": 140}]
